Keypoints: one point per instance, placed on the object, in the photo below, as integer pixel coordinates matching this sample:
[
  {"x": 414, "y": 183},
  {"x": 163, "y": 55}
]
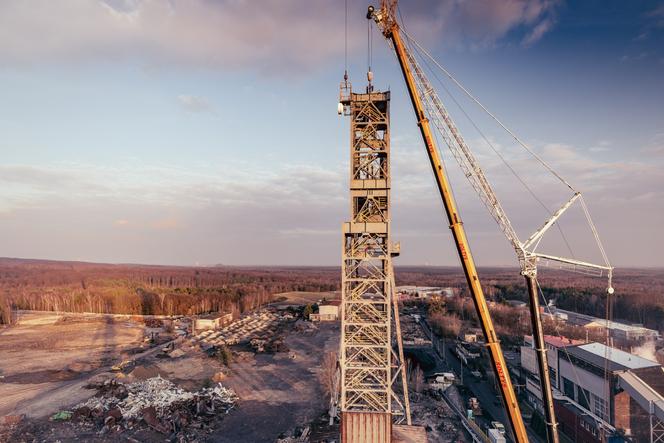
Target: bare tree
[
  {"x": 328, "y": 375},
  {"x": 415, "y": 377}
]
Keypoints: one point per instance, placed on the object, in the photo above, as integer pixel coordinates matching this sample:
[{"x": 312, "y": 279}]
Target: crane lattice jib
[{"x": 463, "y": 155}]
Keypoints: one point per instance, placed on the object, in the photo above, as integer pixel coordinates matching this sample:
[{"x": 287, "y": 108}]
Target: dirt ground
[
  {"x": 45, "y": 361},
  {"x": 303, "y": 297},
  {"x": 278, "y": 393}
]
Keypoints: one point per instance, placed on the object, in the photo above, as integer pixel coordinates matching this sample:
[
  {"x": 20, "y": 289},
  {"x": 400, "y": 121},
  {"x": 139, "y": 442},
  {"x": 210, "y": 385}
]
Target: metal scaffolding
[
  {"x": 369, "y": 366},
  {"x": 366, "y": 334}
]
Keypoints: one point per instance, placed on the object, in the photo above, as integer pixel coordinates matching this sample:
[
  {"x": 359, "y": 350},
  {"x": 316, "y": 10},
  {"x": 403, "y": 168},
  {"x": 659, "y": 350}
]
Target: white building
[
  {"x": 590, "y": 400},
  {"x": 617, "y": 330},
  {"x": 328, "y": 310}
]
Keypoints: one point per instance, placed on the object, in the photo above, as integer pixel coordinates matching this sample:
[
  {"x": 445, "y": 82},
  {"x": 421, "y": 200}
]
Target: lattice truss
[
  {"x": 366, "y": 355},
  {"x": 656, "y": 430}
]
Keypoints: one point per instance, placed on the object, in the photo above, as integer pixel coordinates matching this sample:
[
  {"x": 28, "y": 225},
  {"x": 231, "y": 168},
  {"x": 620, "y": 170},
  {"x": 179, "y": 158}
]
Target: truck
[
  {"x": 496, "y": 437},
  {"x": 442, "y": 381},
  {"x": 445, "y": 377},
  {"x": 498, "y": 425}
]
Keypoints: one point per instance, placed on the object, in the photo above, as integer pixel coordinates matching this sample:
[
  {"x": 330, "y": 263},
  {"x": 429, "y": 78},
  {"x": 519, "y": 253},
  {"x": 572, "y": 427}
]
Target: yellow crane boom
[{"x": 385, "y": 19}]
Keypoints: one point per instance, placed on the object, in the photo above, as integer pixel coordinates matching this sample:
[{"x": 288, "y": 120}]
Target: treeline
[
  {"x": 147, "y": 290},
  {"x": 136, "y": 289},
  {"x": 452, "y": 317},
  {"x": 638, "y": 298}
]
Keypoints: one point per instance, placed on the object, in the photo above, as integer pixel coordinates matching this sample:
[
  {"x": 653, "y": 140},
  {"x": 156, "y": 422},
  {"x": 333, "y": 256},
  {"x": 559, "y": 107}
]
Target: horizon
[
  {"x": 300, "y": 266},
  {"x": 128, "y": 141}
]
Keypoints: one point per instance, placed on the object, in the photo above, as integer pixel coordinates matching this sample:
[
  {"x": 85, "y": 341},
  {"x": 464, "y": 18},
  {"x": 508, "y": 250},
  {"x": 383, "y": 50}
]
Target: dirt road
[{"x": 44, "y": 365}]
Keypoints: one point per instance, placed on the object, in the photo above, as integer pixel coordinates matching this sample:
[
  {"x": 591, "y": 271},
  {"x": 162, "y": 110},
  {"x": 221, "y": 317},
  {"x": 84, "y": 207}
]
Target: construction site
[{"x": 256, "y": 356}]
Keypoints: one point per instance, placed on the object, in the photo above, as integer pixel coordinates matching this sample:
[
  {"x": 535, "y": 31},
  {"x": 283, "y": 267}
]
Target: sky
[{"x": 200, "y": 132}]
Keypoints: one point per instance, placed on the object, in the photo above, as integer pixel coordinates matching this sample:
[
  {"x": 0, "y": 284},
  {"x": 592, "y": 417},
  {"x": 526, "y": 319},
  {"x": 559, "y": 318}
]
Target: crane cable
[
  {"x": 369, "y": 45},
  {"x": 495, "y": 150},
  {"x": 346, "y": 41},
  {"x": 473, "y": 98},
  {"x": 609, "y": 301}
]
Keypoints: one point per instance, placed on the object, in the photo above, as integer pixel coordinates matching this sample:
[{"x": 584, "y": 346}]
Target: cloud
[
  {"x": 481, "y": 24},
  {"x": 269, "y": 36},
  {"x": 642, "y": 36},
  {"x": 166, "y": 224},
  {"x": 192, "y": 103},
  {"x": 247, "y": 213},
  {"x": 538, "y": 32}
]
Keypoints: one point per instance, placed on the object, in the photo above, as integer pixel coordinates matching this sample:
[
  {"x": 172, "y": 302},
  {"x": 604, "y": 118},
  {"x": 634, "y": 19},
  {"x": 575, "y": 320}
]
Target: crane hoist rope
[
  {"x": 502, "y": 158},
  {"x": 526, "y": 251},
  {"x": 490, "y": 114}
]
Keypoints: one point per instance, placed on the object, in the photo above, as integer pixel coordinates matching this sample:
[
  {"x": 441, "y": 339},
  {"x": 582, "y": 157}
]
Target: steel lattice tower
[{"x": 366, "y": 310}]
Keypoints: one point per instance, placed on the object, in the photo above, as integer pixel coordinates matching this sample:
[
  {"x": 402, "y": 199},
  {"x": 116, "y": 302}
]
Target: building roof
[
  {"x": 330, "y": 303},
  {"x": 419, "y": 288},
  {"x": 600, "y": 322},
  {"x": 609, "y": 324},
  {"x": 556, "y": 341},
  {"x": 561, "y": 342},
  {"x": 597, "y": 353}
]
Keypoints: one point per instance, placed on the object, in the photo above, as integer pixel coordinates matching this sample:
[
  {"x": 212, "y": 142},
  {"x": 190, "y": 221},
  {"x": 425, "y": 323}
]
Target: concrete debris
[
  {"x": 305, "y": 326},
  {"x": 157, "y": 402},
  {"x": 299, "y": 436},
  {"x": 176, "y": 353}
]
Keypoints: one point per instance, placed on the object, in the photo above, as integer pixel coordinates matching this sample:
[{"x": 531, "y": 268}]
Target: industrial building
[
  {"x": 554, "y": 345},
  {"x": 621, "y": 332},
  {"x": 596, "y": 388}
]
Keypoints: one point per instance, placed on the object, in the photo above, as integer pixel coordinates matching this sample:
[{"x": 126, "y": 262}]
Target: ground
[
  {"x": 47, "y": 361},
  {"x": 278, "y": 393},
  {"x": 303, "y": 298}
]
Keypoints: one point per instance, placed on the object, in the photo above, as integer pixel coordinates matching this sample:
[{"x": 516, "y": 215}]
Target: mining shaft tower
[{"x": 368, "y": 363}]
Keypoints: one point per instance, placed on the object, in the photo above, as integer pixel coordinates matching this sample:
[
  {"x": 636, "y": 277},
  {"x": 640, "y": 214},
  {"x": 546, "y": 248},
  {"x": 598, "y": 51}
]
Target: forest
[
  {"x": 147, "y": 290},
  {"x": 176, "y": 290}
]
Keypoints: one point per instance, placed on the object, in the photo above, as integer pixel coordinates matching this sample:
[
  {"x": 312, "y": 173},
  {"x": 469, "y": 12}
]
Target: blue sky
[{"x": 206, "y": 131}]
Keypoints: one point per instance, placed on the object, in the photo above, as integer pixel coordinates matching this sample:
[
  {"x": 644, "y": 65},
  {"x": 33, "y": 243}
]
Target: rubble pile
[
  {"x": 272, "y": 345},
  {"x": 155, "y": 402},
  {"x": 299, "y": 435},
  {"x": 258, "y": 324}
]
